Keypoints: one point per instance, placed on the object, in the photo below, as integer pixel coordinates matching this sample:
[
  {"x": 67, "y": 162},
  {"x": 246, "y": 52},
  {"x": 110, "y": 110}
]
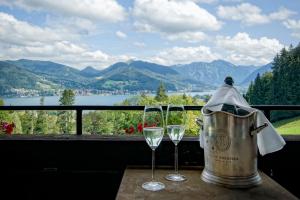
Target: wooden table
[{"x": 195, "y": 188}]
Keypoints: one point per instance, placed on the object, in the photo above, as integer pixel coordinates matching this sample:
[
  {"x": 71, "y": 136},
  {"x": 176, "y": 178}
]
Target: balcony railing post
[{"x": 78, "y": 121}]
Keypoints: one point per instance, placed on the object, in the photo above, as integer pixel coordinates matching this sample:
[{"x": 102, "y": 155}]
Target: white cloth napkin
[{"x": 268, "y": 140}]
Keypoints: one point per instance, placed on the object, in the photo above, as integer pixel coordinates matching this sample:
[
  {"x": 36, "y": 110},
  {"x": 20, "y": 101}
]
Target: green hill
[
  {"x": 288, "y": 126},
  {"x": 129, "y": 79},
  {"x": 14, "y": 77},
  {"x": 140, "y": 75},
  {"x": 60, "y": 74}
]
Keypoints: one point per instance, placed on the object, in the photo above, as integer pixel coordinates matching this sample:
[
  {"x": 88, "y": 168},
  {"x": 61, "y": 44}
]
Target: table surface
[{"x": 194, "y": 187}]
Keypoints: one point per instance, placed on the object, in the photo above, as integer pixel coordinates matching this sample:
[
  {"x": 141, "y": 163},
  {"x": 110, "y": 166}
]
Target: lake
[{"x": 83, "y": 100}]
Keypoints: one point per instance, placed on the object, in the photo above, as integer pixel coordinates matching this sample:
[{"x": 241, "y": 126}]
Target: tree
[
  {"x": 99, "y": 122},
  {"x": 260, "y": 92},
  {"x": 66, "y": 118},
  {"x": 67, "y": 98},
  {"x": 28, "y": 120},
  {"x": 41, "y": 126},
  {"x": 53, "y": 127},
  {"x": 161, "y": 94},
  {"x": 281, "y": 86},
  {"x": 17, "y": 122},
  {"x": 4, "y": 115}
]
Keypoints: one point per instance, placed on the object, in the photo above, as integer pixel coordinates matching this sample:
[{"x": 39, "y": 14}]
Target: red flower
[
  {"x": 129, "y": 130},
  {"x": 7, "y": 128},
  {"x": 140, "y": 127},
  {"x": 4, "y": 125}
]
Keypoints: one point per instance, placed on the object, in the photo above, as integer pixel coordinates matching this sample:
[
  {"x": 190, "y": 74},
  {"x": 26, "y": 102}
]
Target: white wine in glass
[
  {"x": 153, "y": 131},
  {"x": 176, "y": 122}
]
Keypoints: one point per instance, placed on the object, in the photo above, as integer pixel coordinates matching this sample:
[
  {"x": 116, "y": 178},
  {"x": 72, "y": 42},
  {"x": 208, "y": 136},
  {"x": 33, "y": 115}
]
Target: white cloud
[
  {"x": 241, "y": 49},
  {"x": 294, "y": 25},
  {"x": 245, "y": 12},
  {"x": 282, "y": 14},
  {"x": 205, "y": 1},
  {"x": 62, "y": 52},
  {"x": 13, "y": 31},
  {"x": 74, "y": 27},
  {"x": 95, "y": 10},
  {"x": 19, "y": 39},
  {"x": 191, "y": 37},
  {"x": 139, "y": 44},
  {"x": 177, "y": 55},
  {"x": 213, "y": 1},
  {"x": 233, "y": 1},
  {"x": 121, "y": 35},
  {"x": 250, "y": 14},
  {"x": 172, "y": 16}
]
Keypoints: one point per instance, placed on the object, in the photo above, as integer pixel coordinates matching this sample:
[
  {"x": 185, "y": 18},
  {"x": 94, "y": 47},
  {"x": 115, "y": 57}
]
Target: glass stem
[
  {"x": 153, "y": 164},
  {"x": 176, "y": 159}
]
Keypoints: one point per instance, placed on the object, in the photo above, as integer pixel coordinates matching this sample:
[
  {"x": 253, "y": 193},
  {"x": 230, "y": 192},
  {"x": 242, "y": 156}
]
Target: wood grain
[{"x": 195, "y": 188}]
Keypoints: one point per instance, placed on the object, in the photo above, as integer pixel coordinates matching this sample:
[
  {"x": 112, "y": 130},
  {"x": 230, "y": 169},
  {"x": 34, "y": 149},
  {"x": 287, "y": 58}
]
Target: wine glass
[
  {"x": 176, "y": 122},
  {"x": 153, "y": 130}
]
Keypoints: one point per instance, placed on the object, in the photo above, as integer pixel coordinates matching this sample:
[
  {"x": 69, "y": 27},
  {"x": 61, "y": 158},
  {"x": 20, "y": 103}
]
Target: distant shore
[{"x": 99, "y": 99}]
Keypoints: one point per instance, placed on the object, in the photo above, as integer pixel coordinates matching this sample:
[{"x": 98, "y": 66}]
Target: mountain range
[
  {"x": 251, "y": 77},
  {"x": 129, "y": 76},
  {"x": 214, "y": 73}
]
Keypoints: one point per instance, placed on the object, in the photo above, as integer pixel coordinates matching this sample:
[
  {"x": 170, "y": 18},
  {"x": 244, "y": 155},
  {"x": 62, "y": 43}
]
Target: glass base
[
  {"x": 175, "y": 177},
  {"x": 153, "y": 186}
]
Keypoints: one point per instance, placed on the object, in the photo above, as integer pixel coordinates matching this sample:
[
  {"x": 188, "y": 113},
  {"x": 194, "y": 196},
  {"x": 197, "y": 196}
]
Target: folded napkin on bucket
[{"x": 268, "y": 140}]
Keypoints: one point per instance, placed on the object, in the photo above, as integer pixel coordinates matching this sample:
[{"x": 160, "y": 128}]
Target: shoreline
[
  {"x": 111, "y": 94},
  {"x": 99, "y": 99}
]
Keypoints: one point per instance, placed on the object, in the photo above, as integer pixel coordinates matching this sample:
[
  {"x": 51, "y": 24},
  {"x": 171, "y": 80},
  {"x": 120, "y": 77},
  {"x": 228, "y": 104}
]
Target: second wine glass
[{"x": 176, "y": 123}]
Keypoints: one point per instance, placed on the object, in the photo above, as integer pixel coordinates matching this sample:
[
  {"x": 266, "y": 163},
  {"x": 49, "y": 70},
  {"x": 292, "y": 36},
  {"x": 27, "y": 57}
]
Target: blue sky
[{"x": 101, "y": 32}]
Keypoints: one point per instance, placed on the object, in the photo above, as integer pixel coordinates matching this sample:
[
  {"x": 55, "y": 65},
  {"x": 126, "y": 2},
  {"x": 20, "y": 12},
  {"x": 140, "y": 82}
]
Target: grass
[{"x": 288, "y": 126}]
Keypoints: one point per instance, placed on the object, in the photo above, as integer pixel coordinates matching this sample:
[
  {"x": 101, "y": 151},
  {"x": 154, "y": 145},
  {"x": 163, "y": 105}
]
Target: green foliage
[
  {"x": 28, "y": 122},
  {"x": 66, "y": 120},
  {"x": 260, "y": 92},
  {"x": 288, "y": 126},
  {"x": 53, "y": 127},
  {"x": 67, "y": 98},
  {"x": 4, "y": 115},
  {"x": 18, "y": 123},
  {"x": 282, "y": 86},
  {"x": 41, "y": 125},
  {"x": 99, "y": 122},
  {"x": 122, "y": 122},
  {"x": 161, "y": 94}
]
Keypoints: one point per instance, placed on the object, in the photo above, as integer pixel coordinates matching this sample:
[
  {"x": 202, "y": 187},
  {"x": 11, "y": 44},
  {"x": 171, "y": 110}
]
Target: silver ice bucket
[{"x": 230, "y": 149}]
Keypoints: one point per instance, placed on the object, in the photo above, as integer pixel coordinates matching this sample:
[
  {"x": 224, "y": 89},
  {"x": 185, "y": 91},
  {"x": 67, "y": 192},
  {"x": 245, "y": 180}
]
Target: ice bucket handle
[
  {"x": 199, "y": 122},
  {"x": 258, "y": 129}
]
